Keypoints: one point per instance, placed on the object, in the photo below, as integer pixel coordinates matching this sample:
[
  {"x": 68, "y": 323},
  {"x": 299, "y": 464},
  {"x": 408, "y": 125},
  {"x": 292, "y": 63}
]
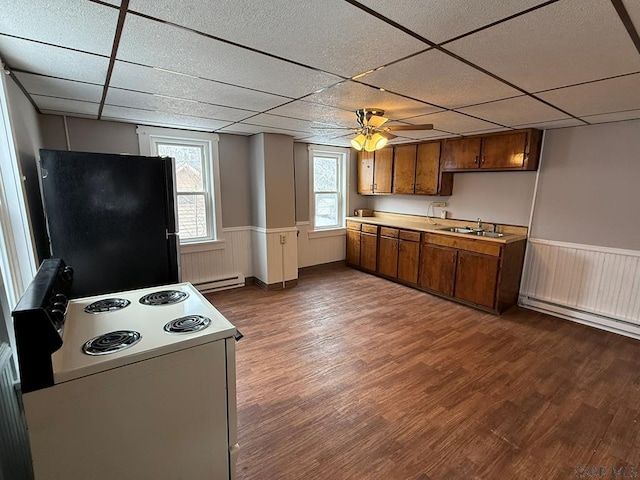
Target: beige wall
[
  {"x": 496, "y": 197},
  {"x": 234, "y": 180},
  {"x": 301, "y": 168},
  {"x": 588, "y": 191},
  {"x": 257, "y": 182},
  {"x": 279, "y": 180}
]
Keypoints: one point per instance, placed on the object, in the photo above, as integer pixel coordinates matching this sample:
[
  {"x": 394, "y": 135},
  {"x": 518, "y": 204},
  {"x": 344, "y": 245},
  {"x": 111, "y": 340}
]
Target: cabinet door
[
  {"x": 383, "y": 170},
  {"x": 388, "y": 256},
  {"x": 427, "y": 168},
  {"x": 365, "y": 172},
  {"x": 461, "y": 153},
  {"x": 408, "y": 256},
  {"x": 404, "y": 168},
  {"x": 504, "y": 151},
  {"x": 438, "y": 268},
  {"x": 368, "y": 250},
  {"x": 476, "y": 278},
  {"x": 353, "y": 247}
]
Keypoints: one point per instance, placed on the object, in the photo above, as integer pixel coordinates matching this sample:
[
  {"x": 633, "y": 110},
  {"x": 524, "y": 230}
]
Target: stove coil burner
[
  {"x": 164, "y": 297},
  {"x": 111, "y": 342},
  {"x": 107, "y": 305},
  {"x": 188, "y": 324}
]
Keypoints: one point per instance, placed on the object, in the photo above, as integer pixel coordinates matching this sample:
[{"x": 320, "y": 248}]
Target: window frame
[
  {"x": 342, "y": 156},
  {"x": 150, "y": 137}
]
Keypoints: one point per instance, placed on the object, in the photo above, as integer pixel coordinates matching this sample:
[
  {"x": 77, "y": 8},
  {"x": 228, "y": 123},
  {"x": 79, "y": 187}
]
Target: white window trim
[
  {"x": 344, "y": 181},
  {"x": 146, "y": 139}
]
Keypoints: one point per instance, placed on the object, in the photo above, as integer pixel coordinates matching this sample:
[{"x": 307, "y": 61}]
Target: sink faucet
[{"x": 479, "y": 223}]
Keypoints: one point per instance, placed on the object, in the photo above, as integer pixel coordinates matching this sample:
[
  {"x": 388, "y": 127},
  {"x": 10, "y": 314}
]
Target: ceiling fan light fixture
[
  {"x": 358, "y": 142},
  {"x": 379, "y": 140}
]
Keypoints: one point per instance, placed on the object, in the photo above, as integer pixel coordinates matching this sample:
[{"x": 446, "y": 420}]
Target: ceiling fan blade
[
  {"x": 402, "y": 128},
  {"x": 389, "y": 136},
  {"x": 377, "y": 121}
]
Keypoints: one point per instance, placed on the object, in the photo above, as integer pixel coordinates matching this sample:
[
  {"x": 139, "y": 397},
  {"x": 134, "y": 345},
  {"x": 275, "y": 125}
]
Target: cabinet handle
[
  {"x": 372, "y": 187},
  {"x": 483, "y": 159},
  {"x": 477, "y": 158},
  {"x": 375, "y": 186}
]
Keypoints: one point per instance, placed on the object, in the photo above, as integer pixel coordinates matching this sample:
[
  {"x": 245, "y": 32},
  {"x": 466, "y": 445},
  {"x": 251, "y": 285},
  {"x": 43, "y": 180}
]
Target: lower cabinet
[
  {"x": 408, "y": 256},
  {"x": 369, "y": 247},
  {"x": 438, "y": 269},
  {"x": 388, "y": 252},
  {"x": 476, "y": 278},
  {"x": 353, "y": 247}
]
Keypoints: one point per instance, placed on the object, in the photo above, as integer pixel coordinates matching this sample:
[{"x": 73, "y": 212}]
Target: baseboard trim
[{"x": 275, "y": 286}]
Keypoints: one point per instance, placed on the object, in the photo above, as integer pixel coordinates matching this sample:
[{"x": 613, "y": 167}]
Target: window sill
[
  {"x": 334, "y": 232},
  {"x": 204, "y": 246}
]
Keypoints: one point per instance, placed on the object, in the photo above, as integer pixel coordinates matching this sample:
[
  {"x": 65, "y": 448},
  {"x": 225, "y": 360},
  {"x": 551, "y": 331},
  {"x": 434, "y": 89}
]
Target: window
[
  {"x": 327, "y": 171},
  {"x": 195, "y": 157}
]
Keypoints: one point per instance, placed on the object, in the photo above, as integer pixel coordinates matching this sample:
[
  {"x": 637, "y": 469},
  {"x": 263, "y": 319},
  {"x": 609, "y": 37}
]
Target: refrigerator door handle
[{"x": 173, "y": 245}]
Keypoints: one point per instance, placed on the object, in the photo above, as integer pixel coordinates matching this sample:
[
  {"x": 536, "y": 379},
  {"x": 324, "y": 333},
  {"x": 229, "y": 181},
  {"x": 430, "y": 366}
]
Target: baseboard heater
[{"x": 220, "y": 284}]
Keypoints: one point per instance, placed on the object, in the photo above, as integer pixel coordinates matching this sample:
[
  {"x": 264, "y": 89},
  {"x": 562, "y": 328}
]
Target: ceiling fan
[{"x": 372, "y": 134}]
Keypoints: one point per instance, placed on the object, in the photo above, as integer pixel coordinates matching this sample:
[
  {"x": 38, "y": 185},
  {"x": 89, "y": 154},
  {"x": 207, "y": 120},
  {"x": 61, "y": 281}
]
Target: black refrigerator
[{"x": 112, "y": 219}]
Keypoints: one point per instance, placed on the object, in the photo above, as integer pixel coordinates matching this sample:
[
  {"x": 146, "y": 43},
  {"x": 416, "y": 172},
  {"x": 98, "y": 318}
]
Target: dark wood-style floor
[{"x": 349, "y": 376}]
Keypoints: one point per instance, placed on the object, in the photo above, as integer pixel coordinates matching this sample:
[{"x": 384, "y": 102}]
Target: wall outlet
[
  {"x": 439, "y": 204},
  {"x": 283, "y": 238}
]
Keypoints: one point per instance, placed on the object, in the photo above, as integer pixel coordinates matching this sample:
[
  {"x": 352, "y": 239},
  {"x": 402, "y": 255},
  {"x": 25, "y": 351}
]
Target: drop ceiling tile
[
  {"x": 146, "y": 117},
  {"x": 276, "y": 121},
  {"x": 452, "y": 122},
  {"x": 64, "y": 105},
  {"x": 246, "y": 129},
  {"x": 421, "y": 135},
  {"x": 54, "y": 61},
  {"x": 353, "y": 95},
  {"x": 85, "y": 26},
  {"x": 148, "y": 101},
  {"x": 440, "y": 79},
  {"x": 613, "y": 117},
  {"x": 567, "y": 42},
  {"x": 56, "y": 87},
  {"x": 515, "y": 111},
  {"x": 442, "y": 19},
  {"x": 331, "y": 35},
  {"x": 612, "y": 95},
  {"x": 565, "y": 122},
  {"x": 317, "y": 112},
  {"x": 633, "y": 8},
  {"x": 163, "y": 82},
  {"x": 319, "y": 140},
  {"x": 155, "y": 44}
]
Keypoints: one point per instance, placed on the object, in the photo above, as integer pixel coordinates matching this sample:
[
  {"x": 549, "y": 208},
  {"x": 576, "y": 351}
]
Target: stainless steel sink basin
[{"x": 457, "y": 229}]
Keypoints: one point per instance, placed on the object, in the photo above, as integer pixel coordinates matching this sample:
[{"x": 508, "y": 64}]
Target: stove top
[{"x": 145, "y": 330}]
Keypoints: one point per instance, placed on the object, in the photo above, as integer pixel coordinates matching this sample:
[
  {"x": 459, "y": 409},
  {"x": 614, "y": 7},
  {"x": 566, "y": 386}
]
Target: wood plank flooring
[{"x": 349, "y": 376}]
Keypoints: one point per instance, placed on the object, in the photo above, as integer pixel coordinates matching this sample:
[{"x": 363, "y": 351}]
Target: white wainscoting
[
  {"x": 210, "y": 265},
  {"x": 319, "y": 249},
  {"x": 274, "y": 262},
  {"x": 598, "y": 286}
]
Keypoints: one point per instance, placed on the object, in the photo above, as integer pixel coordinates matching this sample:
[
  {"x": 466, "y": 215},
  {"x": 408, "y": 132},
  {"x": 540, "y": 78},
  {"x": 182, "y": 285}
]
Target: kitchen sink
[{"x": 471, "y": 231}]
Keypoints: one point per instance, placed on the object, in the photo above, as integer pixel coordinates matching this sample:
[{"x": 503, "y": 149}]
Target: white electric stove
[{"x": 142, "y": 385}]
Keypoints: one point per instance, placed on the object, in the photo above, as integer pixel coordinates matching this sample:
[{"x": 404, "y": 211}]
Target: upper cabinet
[
  {"x": 514, "y": 150},
  {"x": 375, "y": 171},
  {"x": 416, "y": 170}
]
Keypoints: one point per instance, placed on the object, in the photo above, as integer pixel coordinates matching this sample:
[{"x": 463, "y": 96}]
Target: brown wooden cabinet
[
  {"x": 369, "y": 247},
  {"x": 388, "y": 252},
  {"x": 438, "y": 268},
  {"x": 416, "y": 170},
  {"x": 404, "y": 169},
  {"x": 476, "y": 278},
  {"x": 353, "y": 243},
  {"x": 408, "y": 256},
  {"x": 513, "y": 150},
  {"x": 375, "y": 171}
]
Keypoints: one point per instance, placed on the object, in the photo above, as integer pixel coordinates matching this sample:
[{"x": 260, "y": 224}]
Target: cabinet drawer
[
  {"x": 388, "y": 232},
  {"x": 369, "y": 228},
  {"x": 469, "y": 244},
  {"x": 409, "y": 235},
  {"x": 353, "y": 225}
]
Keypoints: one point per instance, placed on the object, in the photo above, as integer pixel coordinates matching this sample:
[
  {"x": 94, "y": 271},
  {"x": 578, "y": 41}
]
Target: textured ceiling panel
[
  {"x": 515, "y": 111},
  {"x": 336, "y": 141},
  {"x": 132, "y": 115},
  {"x": 55, "y": 87},
  {"x": 246, "y": 129},
  {"x": 438, "y": 78},
  {"x": 81, "y": 25},
  {"x": 154, "y": 44},
  {"x": 316, "y": 112},
  {"x": 54, "y": 61},
  {"x": 150, "y": 80},
  {"x": 352, "y": 96},
  {"x": 452, "y": 122},
  {"x": 421, "y": 135},
  {"x": 616, "y": 94},
  {"x": 331, "y": 35},
  {"x": 66, "y": 106},
  {"x": 614, "y": 117},
  {"x": 440, "y": 20},
  {"x": 565, "y": 122},
  {"x": 568, "y": 42},
  {"x": 275, "y": 121},
  {"x": 147, "y": 101}
]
